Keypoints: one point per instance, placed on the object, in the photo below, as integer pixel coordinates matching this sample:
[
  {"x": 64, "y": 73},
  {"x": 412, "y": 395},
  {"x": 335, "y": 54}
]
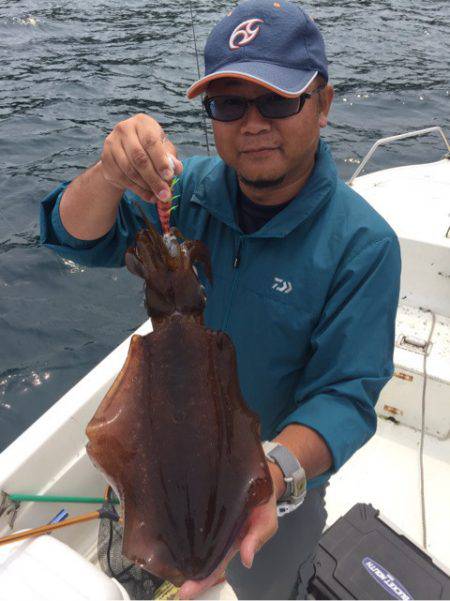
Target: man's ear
[{"x": 326, "y": 99}]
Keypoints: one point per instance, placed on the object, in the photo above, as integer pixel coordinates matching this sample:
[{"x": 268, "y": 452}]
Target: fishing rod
[
  {"x": 205, "y": 128},
  {"x": 164, "y": 208}
]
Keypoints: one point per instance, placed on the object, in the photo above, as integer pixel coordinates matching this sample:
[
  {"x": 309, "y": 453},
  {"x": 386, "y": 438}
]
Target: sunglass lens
[
  {"x": 274, "y": 106},
  {"x": 227, "y": 108}
]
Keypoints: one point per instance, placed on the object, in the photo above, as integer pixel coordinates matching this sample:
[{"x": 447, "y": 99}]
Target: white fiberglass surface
[
  {"x": 385, "y": 473},
  {"x": 414, "y": 199}
]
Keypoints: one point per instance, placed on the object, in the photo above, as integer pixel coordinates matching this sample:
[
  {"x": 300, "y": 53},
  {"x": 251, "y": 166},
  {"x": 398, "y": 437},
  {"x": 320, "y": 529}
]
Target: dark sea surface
[{"x": 69, "y": 71}]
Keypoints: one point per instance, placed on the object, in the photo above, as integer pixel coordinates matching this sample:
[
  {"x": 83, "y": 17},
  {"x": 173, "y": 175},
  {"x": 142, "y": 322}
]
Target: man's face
[{"x": 268, "y": 151}]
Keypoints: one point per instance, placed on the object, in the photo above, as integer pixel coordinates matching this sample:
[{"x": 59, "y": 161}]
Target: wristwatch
[{"x": 294, "y": 476}]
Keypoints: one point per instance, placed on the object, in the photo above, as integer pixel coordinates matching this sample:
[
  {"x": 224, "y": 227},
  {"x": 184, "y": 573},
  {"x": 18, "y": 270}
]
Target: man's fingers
[
  {"x": 154, "y": 147},
  {"x": 193, "y": 588},
  {"x": 263, "y": 525},
  {"x": 178, "y": 166},
  {"x": 116, "y": 170},
  {"x": 137, "y": 155},
  {"x": 142, "y": 163},
  {"x": 128, "y": 173},
  {"x": 249, "y": 547}
]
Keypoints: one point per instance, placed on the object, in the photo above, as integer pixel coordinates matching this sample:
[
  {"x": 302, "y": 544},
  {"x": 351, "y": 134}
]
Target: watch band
[{"x": 294, "y": 476}]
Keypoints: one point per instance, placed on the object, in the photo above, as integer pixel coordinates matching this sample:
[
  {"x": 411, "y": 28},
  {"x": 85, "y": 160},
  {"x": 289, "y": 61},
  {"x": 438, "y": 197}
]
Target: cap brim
[{"x": 282, "y": 80}]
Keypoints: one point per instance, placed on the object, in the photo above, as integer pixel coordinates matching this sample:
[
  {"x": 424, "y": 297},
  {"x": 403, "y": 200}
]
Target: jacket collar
[{"x": 217, "y": 193}]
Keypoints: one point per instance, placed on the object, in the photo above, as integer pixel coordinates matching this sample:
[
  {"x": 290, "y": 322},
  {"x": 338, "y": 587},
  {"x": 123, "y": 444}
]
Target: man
[{"x": 306, "y": 273}]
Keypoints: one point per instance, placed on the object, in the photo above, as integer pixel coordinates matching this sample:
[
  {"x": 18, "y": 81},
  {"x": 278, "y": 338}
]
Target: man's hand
[
  {"x": 261, "y": 525},
  {"x": 136, "y": 156}
]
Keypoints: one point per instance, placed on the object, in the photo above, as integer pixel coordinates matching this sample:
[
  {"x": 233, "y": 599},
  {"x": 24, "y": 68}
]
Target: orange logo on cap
[{"x": 244, "y": 33}]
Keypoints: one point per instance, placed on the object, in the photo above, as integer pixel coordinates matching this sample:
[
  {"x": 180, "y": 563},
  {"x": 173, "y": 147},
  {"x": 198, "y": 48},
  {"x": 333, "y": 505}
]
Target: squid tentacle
[{"x": 198, "y": 251}]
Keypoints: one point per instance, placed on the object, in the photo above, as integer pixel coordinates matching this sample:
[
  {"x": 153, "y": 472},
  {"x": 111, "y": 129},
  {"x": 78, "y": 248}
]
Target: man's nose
[{"x": 253, "y": 122}]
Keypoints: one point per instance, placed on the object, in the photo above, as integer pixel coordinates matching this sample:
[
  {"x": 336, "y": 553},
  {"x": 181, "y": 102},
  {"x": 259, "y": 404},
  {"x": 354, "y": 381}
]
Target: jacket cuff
[
  {"x": 53, "y": 232},
  {"x": 355, "y": 428}
]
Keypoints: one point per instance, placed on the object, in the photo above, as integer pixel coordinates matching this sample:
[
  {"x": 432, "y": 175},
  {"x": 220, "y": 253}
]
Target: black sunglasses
[{"x": 229, "y": 107}]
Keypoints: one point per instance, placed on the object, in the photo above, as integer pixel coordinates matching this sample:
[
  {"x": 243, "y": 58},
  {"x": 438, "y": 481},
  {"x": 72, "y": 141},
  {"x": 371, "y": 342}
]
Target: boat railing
[{"x": 383, "y": 141}]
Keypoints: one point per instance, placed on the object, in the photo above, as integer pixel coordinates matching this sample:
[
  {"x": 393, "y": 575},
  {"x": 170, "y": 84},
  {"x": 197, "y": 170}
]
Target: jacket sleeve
[
  {"x": 107, "y": 251},
  {"x": 351, "y": 351}
]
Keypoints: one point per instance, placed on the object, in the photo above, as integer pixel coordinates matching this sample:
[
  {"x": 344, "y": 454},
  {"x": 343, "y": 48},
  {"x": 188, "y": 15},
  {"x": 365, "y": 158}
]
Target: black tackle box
[{"x": 361, "y": 557}]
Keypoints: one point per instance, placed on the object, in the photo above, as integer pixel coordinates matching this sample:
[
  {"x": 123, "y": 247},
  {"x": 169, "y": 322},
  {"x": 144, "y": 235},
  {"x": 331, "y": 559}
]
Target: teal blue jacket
[{"x": 309, "y": 300}]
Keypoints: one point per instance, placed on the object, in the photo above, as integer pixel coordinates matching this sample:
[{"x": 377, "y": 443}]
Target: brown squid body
[{"x": 173, "y": 434}]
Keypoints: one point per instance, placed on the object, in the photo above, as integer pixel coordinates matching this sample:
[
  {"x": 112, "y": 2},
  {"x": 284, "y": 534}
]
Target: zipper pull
[{"x": 237, "y": 258}]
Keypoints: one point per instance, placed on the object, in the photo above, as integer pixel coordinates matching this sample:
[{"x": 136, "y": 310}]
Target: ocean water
[{"x": 69, "y": 71}]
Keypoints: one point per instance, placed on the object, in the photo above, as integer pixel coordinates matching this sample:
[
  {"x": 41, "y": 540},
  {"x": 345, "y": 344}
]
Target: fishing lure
[{"x": 165, "y": 208}]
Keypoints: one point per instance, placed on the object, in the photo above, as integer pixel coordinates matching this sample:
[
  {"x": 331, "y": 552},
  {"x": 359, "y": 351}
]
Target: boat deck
[{"x": 385, "y": 473}]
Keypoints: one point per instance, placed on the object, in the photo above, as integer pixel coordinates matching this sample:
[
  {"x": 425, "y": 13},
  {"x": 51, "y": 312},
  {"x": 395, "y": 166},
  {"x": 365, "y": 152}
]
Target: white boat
[
  {"x": 404, "y": 470},
  {"x": 50, "y": 459}
]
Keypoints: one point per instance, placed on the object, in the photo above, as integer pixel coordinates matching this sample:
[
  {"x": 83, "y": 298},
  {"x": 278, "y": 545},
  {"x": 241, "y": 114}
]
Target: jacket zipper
[
  {"x": 237, "y": 256},
  {"x": 236, "y": 263}
]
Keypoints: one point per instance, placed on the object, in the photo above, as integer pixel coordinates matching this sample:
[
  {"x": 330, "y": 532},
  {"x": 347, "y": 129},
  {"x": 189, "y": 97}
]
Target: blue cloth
[{"x": 309, "y": 300}]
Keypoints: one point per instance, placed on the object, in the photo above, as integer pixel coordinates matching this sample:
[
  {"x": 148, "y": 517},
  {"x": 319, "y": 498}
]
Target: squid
[{"x": 173, "y": 435}]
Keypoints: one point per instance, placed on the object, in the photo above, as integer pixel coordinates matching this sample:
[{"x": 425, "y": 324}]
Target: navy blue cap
[{"x": 272, "y": 43}]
